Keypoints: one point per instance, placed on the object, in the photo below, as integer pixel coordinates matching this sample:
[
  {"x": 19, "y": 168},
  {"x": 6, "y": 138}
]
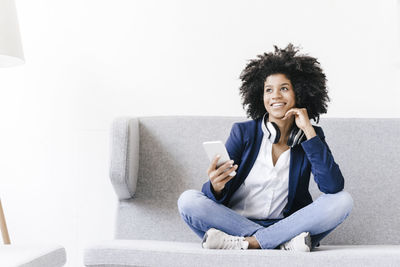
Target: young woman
[{"x": 267, "y": 204}]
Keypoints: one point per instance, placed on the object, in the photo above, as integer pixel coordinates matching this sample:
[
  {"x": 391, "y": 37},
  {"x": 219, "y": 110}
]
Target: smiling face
[{"x": 279, "y": 96}]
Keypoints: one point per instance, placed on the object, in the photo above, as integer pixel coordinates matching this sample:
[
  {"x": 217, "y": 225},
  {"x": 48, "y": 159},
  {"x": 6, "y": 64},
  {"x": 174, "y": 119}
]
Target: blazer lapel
[
  {"x": 296, "y": 161},
  {"x": 254, "y": 150}
]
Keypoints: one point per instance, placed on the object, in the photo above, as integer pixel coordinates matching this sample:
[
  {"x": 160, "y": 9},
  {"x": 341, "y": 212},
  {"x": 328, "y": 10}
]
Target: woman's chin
[{"x": 277, "y": 115}]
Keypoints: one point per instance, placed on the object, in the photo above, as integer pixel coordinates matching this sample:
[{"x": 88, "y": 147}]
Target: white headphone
[{"x": 296, "y": 135}]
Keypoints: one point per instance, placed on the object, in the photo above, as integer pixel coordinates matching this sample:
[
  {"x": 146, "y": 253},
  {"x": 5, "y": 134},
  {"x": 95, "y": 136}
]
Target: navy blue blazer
[{"x": 313, "y": 155}]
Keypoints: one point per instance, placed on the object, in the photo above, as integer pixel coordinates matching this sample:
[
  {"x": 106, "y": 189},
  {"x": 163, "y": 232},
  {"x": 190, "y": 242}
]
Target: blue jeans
[{"x": 319, "y": 218}]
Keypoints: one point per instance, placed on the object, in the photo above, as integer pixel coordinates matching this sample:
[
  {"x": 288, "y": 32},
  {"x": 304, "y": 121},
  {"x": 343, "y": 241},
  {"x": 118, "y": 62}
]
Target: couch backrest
[{"x": 157, "y": 158}]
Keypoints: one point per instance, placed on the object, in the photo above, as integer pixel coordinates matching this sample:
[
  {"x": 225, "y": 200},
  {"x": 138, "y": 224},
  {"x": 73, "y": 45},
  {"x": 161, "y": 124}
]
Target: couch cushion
[
  {"x": 32, "y": 255},
  {"x": 118, "y": 253}
]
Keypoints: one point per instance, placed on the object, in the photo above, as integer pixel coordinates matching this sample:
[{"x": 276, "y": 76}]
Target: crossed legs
[{"x": 319, "y": 218}]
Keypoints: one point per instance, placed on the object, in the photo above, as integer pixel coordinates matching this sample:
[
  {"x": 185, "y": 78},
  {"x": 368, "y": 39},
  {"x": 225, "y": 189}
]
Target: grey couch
[{"x": 155, "y": 159}]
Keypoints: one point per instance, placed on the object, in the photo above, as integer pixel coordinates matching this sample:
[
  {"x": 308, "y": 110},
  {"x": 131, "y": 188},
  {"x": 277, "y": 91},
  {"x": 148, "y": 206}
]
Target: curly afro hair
[{"x": 304, "y": 72}]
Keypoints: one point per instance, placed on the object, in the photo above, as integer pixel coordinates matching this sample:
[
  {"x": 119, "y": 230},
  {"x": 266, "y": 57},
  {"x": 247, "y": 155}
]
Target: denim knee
[
  {"x": 345, "y": 201},
  {"x": 341, "y": 203},
  {"x": 188, "y": 200}
]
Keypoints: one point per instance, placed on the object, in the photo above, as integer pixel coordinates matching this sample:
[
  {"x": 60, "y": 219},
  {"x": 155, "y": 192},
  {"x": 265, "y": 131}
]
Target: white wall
[{"x": 88, "y": 61}]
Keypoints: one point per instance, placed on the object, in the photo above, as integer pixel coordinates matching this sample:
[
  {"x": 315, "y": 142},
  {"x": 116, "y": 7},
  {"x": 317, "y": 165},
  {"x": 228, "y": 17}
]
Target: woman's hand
[
  {"x": 302, "y": 121},
  {"x": 219, "y": 177}
]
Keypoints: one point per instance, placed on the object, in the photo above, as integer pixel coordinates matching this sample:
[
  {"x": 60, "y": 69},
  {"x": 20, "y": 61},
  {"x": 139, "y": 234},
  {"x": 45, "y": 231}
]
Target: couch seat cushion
[{"x": 118, "y": 253}]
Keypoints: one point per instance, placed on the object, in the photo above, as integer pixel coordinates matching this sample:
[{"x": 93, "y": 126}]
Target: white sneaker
[
  {"x": 216, "y": 239},
  {"x": 301, "y": 242}
]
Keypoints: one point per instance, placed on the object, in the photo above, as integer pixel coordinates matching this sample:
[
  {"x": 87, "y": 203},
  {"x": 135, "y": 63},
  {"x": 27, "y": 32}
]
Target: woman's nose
[{"x": 276, "y": 94}]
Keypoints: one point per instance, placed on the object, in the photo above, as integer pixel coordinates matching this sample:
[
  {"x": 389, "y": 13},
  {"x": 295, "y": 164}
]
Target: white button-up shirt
[{"x": 264, "y": 193}]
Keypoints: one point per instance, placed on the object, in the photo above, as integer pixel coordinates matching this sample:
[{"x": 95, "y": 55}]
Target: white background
[{"x": 88, "y": 61}]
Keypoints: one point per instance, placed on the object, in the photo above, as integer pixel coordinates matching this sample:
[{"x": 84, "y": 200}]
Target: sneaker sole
[
  {"x": 307, "y": 240},
  {"x": 204, "y": 239}
]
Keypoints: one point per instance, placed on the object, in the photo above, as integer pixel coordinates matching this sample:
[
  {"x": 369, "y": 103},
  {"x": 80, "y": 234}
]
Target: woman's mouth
[{"x": 277, "y": 105}]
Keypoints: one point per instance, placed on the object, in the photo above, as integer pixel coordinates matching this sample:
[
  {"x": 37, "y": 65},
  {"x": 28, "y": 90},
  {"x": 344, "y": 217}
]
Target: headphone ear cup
[
  {"x": 296, "y": 136},
  {"x": 274, "y": 132}
]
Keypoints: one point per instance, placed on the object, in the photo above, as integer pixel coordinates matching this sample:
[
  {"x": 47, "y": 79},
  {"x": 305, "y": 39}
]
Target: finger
[
  {"x": 224, "y": 180},
  {"x": 224, "y": 175},
  {"x": 292, "y": 111},
  {"x": 224, "y": 166},
  {"x": 289, "y": 113},
  {"x": 212, "y": 176},
  {"x": 213, "y": 165},
  {"x": 213, "y": 172}
]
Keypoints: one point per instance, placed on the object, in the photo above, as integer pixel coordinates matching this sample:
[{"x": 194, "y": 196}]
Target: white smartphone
[{"x": 214, "y": 148}]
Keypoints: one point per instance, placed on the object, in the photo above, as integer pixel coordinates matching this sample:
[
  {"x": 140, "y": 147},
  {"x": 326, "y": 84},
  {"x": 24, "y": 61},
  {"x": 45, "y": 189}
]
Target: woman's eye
[
  {"x": 285, "y": 88},
  {"x": 268, "y": 90}
]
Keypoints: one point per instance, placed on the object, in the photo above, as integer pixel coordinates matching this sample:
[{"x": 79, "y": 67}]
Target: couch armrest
[{"x": 124, "y": 150}]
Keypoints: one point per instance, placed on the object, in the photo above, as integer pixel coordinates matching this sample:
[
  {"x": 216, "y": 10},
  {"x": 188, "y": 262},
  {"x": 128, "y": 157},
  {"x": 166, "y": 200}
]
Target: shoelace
[
  {"x": 288, "y": 246},
  {"x": 232, "y": 242}
]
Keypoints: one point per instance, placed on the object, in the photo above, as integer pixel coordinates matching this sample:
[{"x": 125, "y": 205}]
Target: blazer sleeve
[
  {"x": 326, "y": 171},
  {"x": 234, "y": 146}
]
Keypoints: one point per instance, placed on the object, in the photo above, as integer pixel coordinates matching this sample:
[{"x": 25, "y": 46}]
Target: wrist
[
  {"x": 309, "y": 132},
  {"x": 215, "y": 192},
  {"x": 217, "y": 195}
]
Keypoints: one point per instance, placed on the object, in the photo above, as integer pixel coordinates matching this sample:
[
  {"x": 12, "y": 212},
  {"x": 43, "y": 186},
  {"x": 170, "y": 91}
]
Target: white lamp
[{"x": 10, "y": 55}]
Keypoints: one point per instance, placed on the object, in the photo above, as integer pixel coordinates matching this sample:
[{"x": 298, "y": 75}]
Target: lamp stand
[{"x": 3, "y": 226}]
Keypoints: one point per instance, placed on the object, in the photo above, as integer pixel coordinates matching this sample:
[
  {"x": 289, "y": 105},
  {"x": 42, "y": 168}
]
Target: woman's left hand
[{"x": 302, "y": 121}]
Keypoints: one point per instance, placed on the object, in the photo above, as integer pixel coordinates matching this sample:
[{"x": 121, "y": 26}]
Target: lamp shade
[{"x": 11, "y": 53}]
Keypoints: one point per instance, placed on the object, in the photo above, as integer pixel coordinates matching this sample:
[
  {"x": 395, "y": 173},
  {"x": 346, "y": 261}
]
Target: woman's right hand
[{"x": 219, "y": 177}]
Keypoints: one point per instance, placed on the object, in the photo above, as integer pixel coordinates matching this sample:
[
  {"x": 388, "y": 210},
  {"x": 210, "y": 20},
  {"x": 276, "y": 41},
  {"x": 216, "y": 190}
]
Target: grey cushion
[
  {"x": 167, "y": 253},
  {"x": 155, "y": 159}
]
